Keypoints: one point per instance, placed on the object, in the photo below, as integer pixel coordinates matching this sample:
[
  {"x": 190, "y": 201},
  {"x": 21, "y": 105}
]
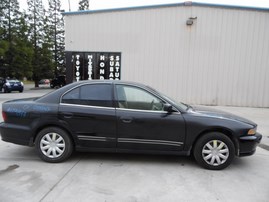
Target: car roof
[{"x": 55, "y": 96}]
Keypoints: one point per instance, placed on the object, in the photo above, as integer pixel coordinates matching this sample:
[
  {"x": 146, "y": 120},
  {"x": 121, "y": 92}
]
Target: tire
[
  {"x": 214, "y": 151},
  {"x": 57, "y": 141},
  {"x": 6, "y": 90}
]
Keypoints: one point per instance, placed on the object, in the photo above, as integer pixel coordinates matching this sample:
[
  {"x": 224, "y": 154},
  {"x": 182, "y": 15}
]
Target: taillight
[{"x": 4, "y": 115}]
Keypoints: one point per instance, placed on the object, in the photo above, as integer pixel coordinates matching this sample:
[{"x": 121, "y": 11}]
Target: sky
[{"x": 106, "y": 4}]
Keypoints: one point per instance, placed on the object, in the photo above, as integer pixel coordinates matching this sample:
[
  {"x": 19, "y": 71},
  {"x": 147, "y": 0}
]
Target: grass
[{"x": 29, "y": 82}]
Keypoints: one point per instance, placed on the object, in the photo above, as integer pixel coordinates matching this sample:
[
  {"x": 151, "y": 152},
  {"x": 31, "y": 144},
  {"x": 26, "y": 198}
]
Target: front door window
[{"x": 130, "y": 97}]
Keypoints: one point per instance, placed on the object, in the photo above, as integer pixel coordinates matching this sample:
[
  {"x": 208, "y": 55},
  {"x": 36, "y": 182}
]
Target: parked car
[
  {"x": 9, "y": 85},
  {"x": 117, "y": 116},
  {"x": 2, "y": 82},
  {"x": 58, "y": 82},
  {"x": 44, "y": 82}
]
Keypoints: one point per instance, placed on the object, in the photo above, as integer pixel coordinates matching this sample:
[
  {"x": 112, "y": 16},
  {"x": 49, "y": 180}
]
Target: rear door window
[
  {"x": 92, "y": 95},
  {"x": 96, "y": 95}
]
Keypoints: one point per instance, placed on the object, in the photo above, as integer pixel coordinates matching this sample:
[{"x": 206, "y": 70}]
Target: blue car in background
[{"x": 9, "y": 85}]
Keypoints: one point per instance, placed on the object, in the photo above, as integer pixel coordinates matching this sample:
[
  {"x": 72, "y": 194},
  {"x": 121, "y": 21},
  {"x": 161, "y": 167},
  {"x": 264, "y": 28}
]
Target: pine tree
[
  {"x": 3, "y": 42},
  {"x": 36, "y": 19},
  {"x": 55, "y": 33},
  {"x": 4, "y": 7},
  {"x": 9, "y": 21},
  {"x": 3, "y": 51},
  {"x": 83, "y": 5},
  {"x": 23, "y": 51}
]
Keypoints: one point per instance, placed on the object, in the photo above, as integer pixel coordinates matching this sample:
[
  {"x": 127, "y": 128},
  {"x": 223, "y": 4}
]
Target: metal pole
[{"x": 69, "y": 5}]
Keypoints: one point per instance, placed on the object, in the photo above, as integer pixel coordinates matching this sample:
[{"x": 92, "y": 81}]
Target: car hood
[{"x": 209, "y": 112}]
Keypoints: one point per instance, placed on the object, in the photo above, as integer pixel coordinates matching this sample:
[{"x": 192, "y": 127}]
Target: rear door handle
[{"x": 67, "y": 115}]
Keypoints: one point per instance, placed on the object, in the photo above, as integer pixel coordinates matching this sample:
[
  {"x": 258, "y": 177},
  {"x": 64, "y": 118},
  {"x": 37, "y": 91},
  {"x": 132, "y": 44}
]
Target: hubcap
[
  {"x": 52, "y": 145},
  {"x": 215, "y": 152}
]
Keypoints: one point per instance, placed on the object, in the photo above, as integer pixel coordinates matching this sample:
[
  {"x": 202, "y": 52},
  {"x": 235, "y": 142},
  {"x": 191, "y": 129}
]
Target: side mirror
[{"x": 168, "y": 108}]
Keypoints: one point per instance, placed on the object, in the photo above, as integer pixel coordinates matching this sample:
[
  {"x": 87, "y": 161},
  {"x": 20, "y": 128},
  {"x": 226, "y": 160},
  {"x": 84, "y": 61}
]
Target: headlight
[
  {"x": 7, "y": 84},
  {"x": 252, "y": 131},
  {"x": 21, "y": 83}
]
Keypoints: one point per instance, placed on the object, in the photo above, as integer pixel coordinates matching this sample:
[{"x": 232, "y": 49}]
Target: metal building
[{"x": 196, "y": 53}]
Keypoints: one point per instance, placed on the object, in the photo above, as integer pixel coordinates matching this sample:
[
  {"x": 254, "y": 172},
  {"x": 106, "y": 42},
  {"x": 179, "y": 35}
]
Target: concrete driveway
[{"x": 132, "y": 178}]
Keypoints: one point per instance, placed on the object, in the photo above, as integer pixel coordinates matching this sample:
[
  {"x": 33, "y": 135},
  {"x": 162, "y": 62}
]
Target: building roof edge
[{"x": 189, "y": 3}]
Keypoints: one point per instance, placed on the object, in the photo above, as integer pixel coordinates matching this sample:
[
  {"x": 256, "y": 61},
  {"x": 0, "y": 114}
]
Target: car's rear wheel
[
  {"x": 53, "y": 145},
  {"x": 214, "y": 151}
]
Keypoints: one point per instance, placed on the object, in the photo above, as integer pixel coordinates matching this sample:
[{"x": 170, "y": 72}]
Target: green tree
[
  {"x": 45, "y": 58},
  {"x": 35, "y": 17},
  {"x": 55, "y": 35},
  {"x": 9, "y": 21},
  {"x": 3, "y": 51},
  {"x": 3, "y": 42},
  {"x": 83, "y": 5},
  {"x": 37, "y": 33},
  {"x": 4, "y": 7},
  {"x": 23, "y": 52}
]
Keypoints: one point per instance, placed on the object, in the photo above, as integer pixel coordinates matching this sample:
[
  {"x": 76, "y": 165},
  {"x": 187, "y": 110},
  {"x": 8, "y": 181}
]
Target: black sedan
[
  {"x": 116, "y": 116},
  {"x": 9, "y": 85}
]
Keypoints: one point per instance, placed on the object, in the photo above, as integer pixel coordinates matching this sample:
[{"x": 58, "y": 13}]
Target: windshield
[
  {"x": 12, "y": 81},
  {"x": 180, "y": 105}
]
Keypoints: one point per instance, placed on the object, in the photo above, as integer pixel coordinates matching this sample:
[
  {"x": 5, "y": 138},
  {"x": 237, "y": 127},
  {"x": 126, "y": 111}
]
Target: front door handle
[{"x": 126, "y": 119}]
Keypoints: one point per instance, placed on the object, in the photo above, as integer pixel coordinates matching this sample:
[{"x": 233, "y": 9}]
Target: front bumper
[
  {"x": 15, "y": 88},
  {"x": 248, "y": 144}
]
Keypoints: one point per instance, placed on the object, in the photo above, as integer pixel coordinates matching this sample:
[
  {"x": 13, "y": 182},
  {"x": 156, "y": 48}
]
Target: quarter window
[{"x": 72, "y": 97}]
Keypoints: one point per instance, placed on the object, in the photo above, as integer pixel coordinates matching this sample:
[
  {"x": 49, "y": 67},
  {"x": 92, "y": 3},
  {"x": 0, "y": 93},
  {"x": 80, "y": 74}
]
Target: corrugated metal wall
[{"x": 222, "y": 59}]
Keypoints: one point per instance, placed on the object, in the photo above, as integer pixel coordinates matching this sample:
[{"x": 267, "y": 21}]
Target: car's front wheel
[
  {"x": 53, "y": 145},
  {"x": 6, "y": 90},
  {"x": 214, "y": 151}
]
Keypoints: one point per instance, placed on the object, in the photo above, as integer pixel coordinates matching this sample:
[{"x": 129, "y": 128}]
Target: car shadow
[
  {"x": 21, "y": 153},
  {"x": 29, "y": 154},
  {"x": 146, "y": 159},
  {"x": 133, "y": 158}
]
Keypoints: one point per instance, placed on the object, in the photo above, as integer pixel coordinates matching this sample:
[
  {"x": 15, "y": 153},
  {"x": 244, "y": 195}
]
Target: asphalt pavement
[{"x": 132, "y": 178}]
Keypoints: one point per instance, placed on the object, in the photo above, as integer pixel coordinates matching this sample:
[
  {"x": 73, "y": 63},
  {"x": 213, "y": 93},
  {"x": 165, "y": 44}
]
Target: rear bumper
[
  {"x": 15, "y": 134},
  {"x": 248, "y": 144}
]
